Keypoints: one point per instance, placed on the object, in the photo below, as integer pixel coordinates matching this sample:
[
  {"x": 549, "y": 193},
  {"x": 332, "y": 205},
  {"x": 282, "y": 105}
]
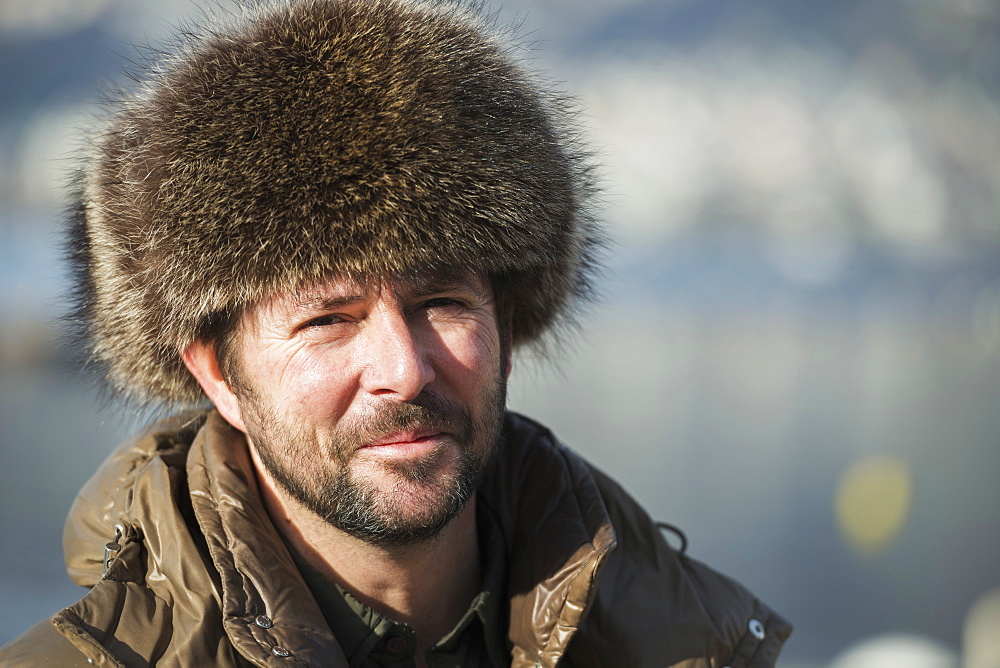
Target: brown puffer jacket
[{"x": 202, "y": 578}]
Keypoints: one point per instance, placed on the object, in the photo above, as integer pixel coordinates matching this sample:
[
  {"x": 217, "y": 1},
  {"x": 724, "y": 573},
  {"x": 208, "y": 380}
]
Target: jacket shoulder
[
  {"x": 667, "y": 608},
  {"x": 91, "y": 519},
  {"x": 42, "y": 645}
]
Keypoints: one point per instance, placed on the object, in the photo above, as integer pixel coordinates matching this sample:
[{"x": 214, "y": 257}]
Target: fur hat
[{"x": 310, "y": 138}]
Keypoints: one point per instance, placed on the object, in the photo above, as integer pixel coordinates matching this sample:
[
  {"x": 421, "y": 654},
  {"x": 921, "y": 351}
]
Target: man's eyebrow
[
  {"x": 415, "y": 287},
  {"x": 424, "y": 289},
  {"x": 321, "y": 303}
]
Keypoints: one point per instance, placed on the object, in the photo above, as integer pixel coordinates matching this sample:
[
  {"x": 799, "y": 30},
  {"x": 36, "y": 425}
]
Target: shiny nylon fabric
[
  {"x": 624, "y": 597},
  {"x": 192, "y": 597},
  {"x": 681, "y": 613},
  {"x": 559, "y": 540},
  {"x": 150, "y": 604},
  {"x": 257, "y": 575}
]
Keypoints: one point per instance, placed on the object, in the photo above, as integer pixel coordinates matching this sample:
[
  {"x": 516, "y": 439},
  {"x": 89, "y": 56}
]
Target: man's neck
[{"x": 428, "y": 585}]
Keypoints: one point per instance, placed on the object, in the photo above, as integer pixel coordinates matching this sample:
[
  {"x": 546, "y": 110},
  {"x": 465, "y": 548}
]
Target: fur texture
[{"x": 310, "y": 138}]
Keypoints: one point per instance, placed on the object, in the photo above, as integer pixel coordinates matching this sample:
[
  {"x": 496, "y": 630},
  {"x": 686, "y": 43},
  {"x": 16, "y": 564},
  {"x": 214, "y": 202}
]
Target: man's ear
[{"x": 201, "y": 361}]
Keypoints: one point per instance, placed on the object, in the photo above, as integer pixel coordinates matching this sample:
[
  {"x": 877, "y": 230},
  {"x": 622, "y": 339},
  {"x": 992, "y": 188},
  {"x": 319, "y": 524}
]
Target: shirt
[{"x": 372, "y": 640}]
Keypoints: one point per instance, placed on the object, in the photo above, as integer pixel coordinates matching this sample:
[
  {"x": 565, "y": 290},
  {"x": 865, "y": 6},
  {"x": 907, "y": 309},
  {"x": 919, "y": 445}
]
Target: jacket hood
[{"x": 300, "y": 139}]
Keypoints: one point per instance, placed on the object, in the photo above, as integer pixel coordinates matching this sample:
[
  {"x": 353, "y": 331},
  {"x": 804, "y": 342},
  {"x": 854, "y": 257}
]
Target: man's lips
[
  {"x": 405, "y": 437},
  {"x": 405, "y": 444}
]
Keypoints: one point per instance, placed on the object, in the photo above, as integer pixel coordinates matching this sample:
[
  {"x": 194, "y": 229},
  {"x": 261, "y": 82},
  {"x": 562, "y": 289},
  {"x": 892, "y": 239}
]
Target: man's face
[{"x": 376, "y": 406}]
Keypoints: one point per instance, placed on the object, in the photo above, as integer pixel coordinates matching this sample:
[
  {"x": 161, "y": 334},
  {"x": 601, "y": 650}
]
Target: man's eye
[
  {"x": 322, "y": 321},
  {"x": 442, "y": 302}
]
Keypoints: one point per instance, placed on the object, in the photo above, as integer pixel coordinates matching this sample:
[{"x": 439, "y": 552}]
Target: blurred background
[{"x": 797, "y": 359}]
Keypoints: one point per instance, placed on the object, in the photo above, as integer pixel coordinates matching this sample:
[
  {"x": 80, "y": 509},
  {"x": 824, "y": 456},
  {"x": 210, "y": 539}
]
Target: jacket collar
[
  {"x": 265, "y": 603},
  {"x": 559, "y": 536}
]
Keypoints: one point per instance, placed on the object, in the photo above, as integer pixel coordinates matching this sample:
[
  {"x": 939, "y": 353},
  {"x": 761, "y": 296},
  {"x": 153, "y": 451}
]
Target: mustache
[{"x": 426, "y": 411}]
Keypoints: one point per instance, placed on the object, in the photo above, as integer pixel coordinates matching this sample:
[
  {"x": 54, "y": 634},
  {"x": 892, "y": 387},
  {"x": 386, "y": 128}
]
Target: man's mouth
[{"x": 407, "y": 443}]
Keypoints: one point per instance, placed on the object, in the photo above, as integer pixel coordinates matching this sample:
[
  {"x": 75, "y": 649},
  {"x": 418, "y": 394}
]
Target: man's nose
[{"x": 396, "y": 361}]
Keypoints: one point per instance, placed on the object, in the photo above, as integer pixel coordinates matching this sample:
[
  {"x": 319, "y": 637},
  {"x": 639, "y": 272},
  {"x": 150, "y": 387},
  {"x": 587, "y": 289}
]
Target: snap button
[
  {"x": 263, "y": 622},
  {"x": 396, "y": 644},
  {"x": 757, "y": 629},
  {"x": 281, "y": 651}
]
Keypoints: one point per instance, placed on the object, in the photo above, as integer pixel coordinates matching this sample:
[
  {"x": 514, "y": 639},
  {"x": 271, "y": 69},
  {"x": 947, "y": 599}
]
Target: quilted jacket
[{"x": 185, "y": 568}]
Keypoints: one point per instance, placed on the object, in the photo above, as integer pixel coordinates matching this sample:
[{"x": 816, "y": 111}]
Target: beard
[{"x": 426, "y": 494}]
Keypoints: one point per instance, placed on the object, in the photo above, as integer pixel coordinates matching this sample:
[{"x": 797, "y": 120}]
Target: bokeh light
[
  {"x": 981, "y": 633},
  {"x": 873, "y": 502},
  {"x": 47, "y": 17},
  {"x": 897, "y": 651}
]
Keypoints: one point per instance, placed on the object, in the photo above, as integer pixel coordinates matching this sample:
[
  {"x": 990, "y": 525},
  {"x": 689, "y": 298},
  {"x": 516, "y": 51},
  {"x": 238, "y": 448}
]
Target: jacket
[{"x": 196, "y": 574}]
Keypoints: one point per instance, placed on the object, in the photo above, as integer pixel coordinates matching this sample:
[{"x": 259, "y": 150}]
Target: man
[{"x": 335, "y": 220}]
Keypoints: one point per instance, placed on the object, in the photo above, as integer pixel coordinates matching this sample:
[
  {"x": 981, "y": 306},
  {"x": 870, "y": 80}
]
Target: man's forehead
[{"x": 339, "y": 289}]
